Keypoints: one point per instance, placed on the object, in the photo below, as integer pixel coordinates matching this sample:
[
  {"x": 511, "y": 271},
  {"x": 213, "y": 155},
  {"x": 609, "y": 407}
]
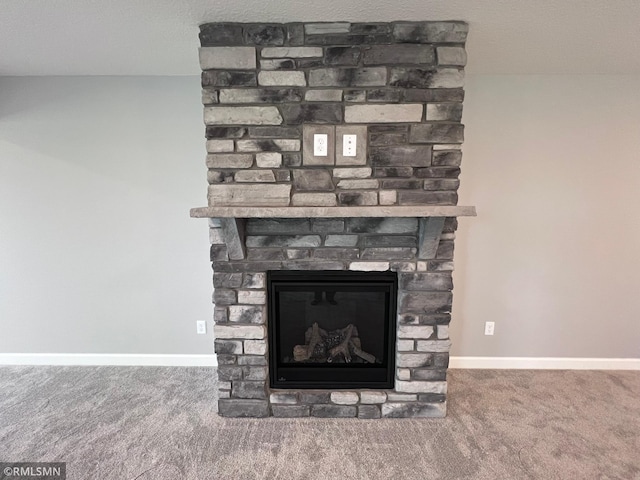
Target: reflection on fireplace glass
[{"x": 332, "y": 326}]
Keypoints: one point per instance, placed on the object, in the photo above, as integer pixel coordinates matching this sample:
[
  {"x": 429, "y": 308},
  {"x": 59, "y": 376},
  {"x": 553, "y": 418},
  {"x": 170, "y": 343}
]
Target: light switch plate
[
  {"x": 343, "y": 151},
  {"x": 349, "y": 145},
  {"x": 309, "y": 134}
]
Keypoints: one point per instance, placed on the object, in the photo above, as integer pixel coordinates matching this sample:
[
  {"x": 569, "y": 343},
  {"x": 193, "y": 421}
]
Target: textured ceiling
[{"x": 160, "y": 37}]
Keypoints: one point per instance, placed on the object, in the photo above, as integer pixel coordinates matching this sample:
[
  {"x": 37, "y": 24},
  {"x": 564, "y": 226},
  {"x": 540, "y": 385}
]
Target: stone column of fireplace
[
  {"x": 391, "y": 207},
  {"x": 371, "y": 244}
]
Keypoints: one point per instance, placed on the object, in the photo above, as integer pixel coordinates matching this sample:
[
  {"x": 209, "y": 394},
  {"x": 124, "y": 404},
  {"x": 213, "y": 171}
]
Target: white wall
[
  {"x": 97, "y": 250},
  {"x": 98, "y": 253},
  {"x": 553, "y": 165}
]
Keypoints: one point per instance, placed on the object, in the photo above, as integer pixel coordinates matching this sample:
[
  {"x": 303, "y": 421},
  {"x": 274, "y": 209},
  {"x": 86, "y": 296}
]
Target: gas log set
[{"x": 337, "y": 346}]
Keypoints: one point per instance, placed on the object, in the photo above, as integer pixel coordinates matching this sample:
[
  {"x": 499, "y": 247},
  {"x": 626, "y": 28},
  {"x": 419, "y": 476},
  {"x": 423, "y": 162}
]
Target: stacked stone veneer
[
  {"x": 266, "y": 89},
  {"x": 364, "y": 244},
  {"x": 399, "y": 84}
]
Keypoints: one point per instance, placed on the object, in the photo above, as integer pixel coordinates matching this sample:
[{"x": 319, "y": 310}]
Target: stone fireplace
[{"x": 334, "y": 152}]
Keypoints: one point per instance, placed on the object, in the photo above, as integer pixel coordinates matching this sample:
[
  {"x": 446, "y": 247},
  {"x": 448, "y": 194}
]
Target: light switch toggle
[
  {"x": 349, "y": 145},
  {"x": 320, "y": 144}
]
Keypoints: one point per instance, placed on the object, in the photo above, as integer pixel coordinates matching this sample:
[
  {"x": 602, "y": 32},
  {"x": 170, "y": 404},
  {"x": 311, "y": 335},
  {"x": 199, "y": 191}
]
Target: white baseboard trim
[
  {"x": 545, "y": 363},
  {"x": 130, "y": 359},
  {"x": 114, "y": 359}
]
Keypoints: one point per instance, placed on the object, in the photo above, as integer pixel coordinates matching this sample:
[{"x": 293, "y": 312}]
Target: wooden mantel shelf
[
  {"x": 431, "y": 221},
  {"x": 328, "y": 212}
]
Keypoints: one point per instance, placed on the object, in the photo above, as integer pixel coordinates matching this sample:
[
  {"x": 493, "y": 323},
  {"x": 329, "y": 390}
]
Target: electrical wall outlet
[
  {"x": 201, "y": 327},
  {"x": 489, "y": 327},
  {"x": 349, "y": 143},
  {"x": 320, "y": 147}
]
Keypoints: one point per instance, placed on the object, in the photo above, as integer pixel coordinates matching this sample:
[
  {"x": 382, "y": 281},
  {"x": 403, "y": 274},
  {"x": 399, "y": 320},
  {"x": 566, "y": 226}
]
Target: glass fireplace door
[{"x": 332, "y": 329}]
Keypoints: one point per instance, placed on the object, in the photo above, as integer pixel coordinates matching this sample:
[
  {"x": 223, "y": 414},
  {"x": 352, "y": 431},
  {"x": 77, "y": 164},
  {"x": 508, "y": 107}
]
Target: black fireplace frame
[{"x": 332, "y": 376}]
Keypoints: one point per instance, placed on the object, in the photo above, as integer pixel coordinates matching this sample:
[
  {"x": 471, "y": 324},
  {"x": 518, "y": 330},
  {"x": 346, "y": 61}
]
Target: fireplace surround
[
  {"x": 279, "y": 213},
  {"x": 331, "y": 329}
]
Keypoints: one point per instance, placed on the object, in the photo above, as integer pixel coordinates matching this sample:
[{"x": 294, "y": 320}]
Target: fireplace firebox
[{"x": 331, "y": 329}]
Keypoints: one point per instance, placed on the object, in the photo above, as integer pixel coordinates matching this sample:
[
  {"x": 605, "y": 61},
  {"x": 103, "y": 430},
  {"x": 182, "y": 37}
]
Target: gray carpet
[{"x": 149, "y": 423}]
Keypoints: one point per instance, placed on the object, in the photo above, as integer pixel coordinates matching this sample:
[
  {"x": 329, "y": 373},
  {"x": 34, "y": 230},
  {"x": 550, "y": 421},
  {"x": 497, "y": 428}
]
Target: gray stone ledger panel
[{"x": 400, "y": 84}]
